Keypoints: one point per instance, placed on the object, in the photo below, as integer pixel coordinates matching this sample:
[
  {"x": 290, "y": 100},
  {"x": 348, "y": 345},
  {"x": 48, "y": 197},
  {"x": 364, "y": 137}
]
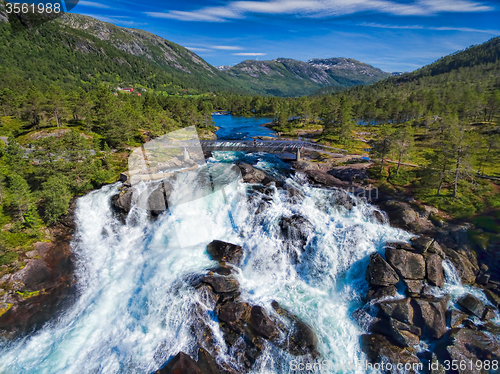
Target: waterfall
[{"x": 135, "y": 301}]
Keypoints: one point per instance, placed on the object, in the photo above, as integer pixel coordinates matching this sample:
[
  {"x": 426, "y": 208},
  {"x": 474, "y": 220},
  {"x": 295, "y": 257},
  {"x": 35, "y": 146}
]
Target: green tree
[
  {"x": 20, "y": 198},
  {"x": 56, "y": 197},
  {"x": 403, "y": 142},
  {"x": 382, "y": 146}
]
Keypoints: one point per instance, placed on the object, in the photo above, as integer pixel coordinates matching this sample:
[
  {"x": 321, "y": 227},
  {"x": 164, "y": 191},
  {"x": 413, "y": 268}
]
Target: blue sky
[{"x": 394, "y": 35}]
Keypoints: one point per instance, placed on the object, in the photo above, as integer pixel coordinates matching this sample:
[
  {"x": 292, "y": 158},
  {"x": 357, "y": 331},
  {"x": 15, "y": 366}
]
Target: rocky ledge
[
  {"x": 246, "y": 328},
  {"x": 43, "y": 286}
]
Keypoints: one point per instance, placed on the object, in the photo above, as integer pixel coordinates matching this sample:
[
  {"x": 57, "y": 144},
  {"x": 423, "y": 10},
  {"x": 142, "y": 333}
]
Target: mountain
[
  {"x": 288, "y": 77},
  {"x": 77, "y": 50}
]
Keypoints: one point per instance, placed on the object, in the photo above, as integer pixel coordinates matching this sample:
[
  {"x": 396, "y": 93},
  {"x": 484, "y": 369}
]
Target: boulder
[
  {"x": 470, "y": 345},
  {"x": 350, "y": 173},
  {"x": 402, "y": 215},
  {"x": 123, "y": 200},
  {"x": 304, "y": 165},
  {"x": 301, "y": 338},
  {"x": 404, "y": 334},
  {"x": 455, "y": 318},
  {"x": 181, "y": 364},
  {"x": 489, "y": 313},
  {"x": 295, "y": 230},
  {"x": 424, "y": 244},
  {"x": 262, "y": 324},
  {"x": 379, "y": 348},
  {"x": 233, "y": 311},
  {"x": 430, "y": 316},
  {"x": 380, "y": 292},
  {"x": 414, "y": 287},
  {"x": 253, "y": 175},
  {"x": 206, "y": 362},
  {"x": 464, "y": 267},
  {"x": 401, "y": 310},
  {"x": 471, "y": 304},
  {"x": 408, "y": 265},
  {"x": 33, "y": 274},
  {"x": 399, "y": 245},
  {"x": 380, "y": 273},
  {"x": 225, "y": 252},
  {"x": 434, "y": 268},
  {"x": 324, "y": 179},
  {"x": 492, "y": 297},
  {"x": 342, "y": 198},
  {"x": 221, "y": 284}
]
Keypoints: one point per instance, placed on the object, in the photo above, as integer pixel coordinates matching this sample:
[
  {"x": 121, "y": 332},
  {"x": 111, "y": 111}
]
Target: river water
[
  {"x": 135, "y": 302},
  {"x": 241, "y": 128}
]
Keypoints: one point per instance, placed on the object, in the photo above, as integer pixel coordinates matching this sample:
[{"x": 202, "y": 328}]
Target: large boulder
[
  {"x": 380, "y": 292},
  {"x": 253, "y": 175},
  {"x": 380, "y": 273},
  {"x": 466, "y": 345},
  {"x": 435, "y": 272},
  {"x": 472, "y": 305},
  {"x": 123, "y": 200},
  {"x": 233, "y": 311},
  {"x": 402, "y": 215},
  {"x": 262, "y": 324},
  {"x": 181, "y": 364},
  {"x": 430, "y": 316},
  {"x": 404, "y": 334},
  {"x": 221, "y": 284},
  {"x": 407, "y": 264},
  {"x": 301, "y": 338},
  {"x": 33, "y": 274},
  {"x": 464, "y": 267},
  {"x": 455, "y": 318},
  {"x": 424, "y": 244},
  {"x": 225, "y": 252},
  {"x": 379, "y": 348},
  {"x": 295, "y": 230},
  {"x": 401, "y": 310},
  {"x": 324, "y": 179}
]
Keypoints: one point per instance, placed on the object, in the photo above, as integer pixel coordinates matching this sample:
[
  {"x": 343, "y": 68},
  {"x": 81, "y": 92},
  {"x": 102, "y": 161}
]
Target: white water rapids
[{"x": 134, "y": 304}]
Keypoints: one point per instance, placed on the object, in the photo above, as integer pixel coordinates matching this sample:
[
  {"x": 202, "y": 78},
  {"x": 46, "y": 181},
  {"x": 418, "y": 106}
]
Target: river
[
  {"x": 135, "y": 304},
  {"x": 241, "y": 128}
]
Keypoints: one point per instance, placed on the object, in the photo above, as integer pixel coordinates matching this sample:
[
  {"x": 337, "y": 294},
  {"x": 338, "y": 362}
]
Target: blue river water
[{"x": 241, "y": 128}]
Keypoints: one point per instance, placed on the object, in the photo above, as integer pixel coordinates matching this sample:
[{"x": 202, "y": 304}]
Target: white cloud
[
  {"x": 93, "y": 4},
  {"x": 226, "y": 47},
  {"x": 249, "y": 54},
  {"x": 322, "y": 8},
  {"x": 420, "y": 27},
  {"x": 196, "y": 49}
]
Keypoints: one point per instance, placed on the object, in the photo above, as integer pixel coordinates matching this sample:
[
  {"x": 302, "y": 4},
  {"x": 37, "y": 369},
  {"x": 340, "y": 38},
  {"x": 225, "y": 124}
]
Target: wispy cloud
[
  {"x": 420, "y": 27},
  {"x": 93, "y": 4},
  {"x": 196, "y": 49},
  {"x": 226, "y": 47},
  {"x": 323, "y": 8},
  {"x": 250, "y": 54},
  {"x": 119, "y": 20}
]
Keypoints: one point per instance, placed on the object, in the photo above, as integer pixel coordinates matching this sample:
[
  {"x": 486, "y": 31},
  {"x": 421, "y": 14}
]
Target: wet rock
[
  {"x": 492, "y": 328},
  {"x": 342, "y": 198},
  {"x": 304, "y": 165},
  {"x": 408, "y": 265},
  {"x": 380, "y": 292},
  {"x": 364, "y": 319},
  {"x": 379, "y": 217},
  {"x": 414, "y": 287},
  {"x": 424, "y": 244},
  {"x": 301, "y": 339},
  {"x": 464, "y": 267},
  {"x": 472, "y": 305},
  {"x": 435, "y": 272},
  {"x": 404, "y": 334},
  {"x": 455, "y": 318},
  {"x": 483, "y": 278},
  {"x": 233, "y": 311},
  {"x": 402, "y": 215},
  {"x": 123, "y": 200},
  {"x": 225, "y": 252},
  {"x": 379, "y": 348},
  {"x": 294, "y": 195},
  {"x": 262, "y": 324},
  {"x": 350, "y": 173},
  {"x": 489, "y": 313},
  {"x": 202, "y": 333},
  {"x": 181, "y": 364},
  {"x": 221, "y": 284},
  {"x": 208, "y": 297},
  {"x": 402, "y": 310},
  {"x": 492, "y": 297},
  {"x": 430, "y": 315},
  {"x": 380, "y": 273},
  {"x": 324, "y": 179},
  {"x": 399, "y": 245},
  {"x": 206, "y": 362},
  {"x": 253, "y": 175},
  {"x": 33, "y": 274},
  {"x": 469, "y": 345},
  {"x": 296, "y": 230}
]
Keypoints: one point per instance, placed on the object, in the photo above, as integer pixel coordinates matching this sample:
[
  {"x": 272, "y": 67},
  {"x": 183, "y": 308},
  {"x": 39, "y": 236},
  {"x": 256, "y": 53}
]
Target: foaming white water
[{"x": 135, "y": 302}]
